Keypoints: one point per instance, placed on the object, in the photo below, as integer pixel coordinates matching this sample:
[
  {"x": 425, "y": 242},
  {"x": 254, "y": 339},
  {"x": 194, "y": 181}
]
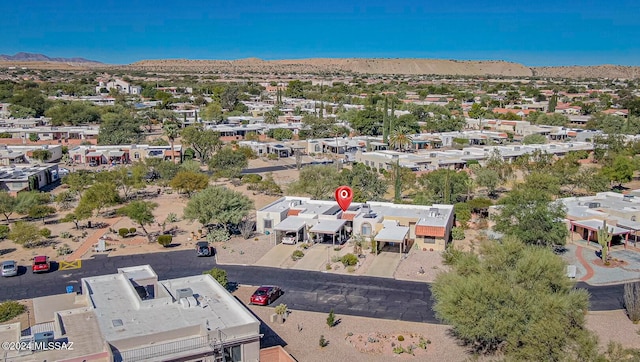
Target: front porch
[{"x": 588, "y": 231}]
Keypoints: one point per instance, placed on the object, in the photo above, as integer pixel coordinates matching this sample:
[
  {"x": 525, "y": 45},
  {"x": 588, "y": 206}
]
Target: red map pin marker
[{"x": 344, "y": 195}]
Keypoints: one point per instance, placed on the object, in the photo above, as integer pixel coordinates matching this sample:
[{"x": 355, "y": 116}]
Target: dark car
[
  {"x": 265, "y": 295},
  {"x": 203, "y": 248},
  {"x": 40, "y": 264}
]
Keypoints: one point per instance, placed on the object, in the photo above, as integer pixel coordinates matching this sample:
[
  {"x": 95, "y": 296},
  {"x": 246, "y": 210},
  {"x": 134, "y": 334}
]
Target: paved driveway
[
  {"x": 276, "y": 256},
  {"x": 384, "y": 265},
  {"x": 315, "y": 258}
]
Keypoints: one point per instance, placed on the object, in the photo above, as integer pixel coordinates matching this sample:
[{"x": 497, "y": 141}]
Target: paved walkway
[
  {"x": 594, "y": 274},
  {"x": 276, "y": 256},
  {"x": 315, "y": 258},
  {"x": 384, "y": 265},
  {"x": 90, "y": 241}
]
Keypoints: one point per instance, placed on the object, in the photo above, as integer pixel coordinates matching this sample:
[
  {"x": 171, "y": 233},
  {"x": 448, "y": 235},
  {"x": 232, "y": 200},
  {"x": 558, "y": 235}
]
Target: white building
[{"x": 119, "y": 85}]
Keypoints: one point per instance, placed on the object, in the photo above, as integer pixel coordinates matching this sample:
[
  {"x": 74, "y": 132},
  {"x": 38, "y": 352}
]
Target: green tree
[
  {"x": 218, "y": 205},
  {"x": 447, "y": 186},
  {"x": 295, "y": 89},
  {"x": 78, "y": 181},
  {"x": 212, "y": 112},
  {"x": 8, "y": 204},
  {"x": 82, "y": 212},
  {"x": 228, "y": 163},
  {"x": 280, "y": 134},
  {"x": 41, "y": 155},
  {"x": 488, "y": 178},
  {"x": 119, "y": 127},
  {"x": 400, "y": 139},
  {"x": 73, "y": 114},
  {"x": 30, "y": 98},
  {"x": 219, "y": 275},
  {"x": 621, "y": 170},
  {"x": 319, "y": 182},
  {"x": 189, "y": 182},
  {"x": 99, "y": 196},
  {"x": 41, "y": 212},
  {"x": 18, "y": 111},
  {"x": 365, "y": 183},
  {"x": 368, "y": 122},
  {"x": 25, "y": 233},
  {"x": 171, "y": 129},
  {"x": 529, "y": 214},
  {"x": 141, "y": 212},
  {"x": 316, "y": 127},
  {"x": 534, "y": 139},
  {"x": 204, "y": 141},
  {"x": 497, "y": 301}
]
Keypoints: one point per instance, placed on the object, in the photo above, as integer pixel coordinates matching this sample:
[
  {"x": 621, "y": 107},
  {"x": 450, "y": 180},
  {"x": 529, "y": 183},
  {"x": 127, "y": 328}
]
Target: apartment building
[
  {"x": 121, "y": 154},
  {"x": 396, "y": 227},
  {"x": 16, "y": 178}
]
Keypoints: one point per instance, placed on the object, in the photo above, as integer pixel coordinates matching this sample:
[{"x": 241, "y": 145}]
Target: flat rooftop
[{"x": 122, "y": 314}]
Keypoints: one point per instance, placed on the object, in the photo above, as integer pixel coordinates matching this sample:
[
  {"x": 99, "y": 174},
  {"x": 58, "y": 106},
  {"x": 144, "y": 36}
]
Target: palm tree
[
  {"x": 400, "y": 139},
  {"x": 171, "y": 130}
]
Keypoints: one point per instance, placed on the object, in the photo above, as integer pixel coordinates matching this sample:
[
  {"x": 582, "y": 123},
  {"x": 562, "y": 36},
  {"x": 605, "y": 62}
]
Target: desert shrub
[
  {"x": 132, "y": 230},
  {"x": 218, "y": 235},
  {"x": 220, "y": 275},
  {"x": 4, "y": 231},
  {"x": 281, "y": 309},
  {"x": 251, "y": 178},
  {"x": 323, "y": 342},
  {"x": 457, "y": 233},
  {"x": 632, "y": 301},
  {"x": 272, "y": 156},
  {"x": 165, "y": 240},
  {"x": 172, "y": 217},
  {"x": 297, "y": 255},
  {"x": 65, "y": 235},
  {"x": 331, "y": 319},
  {"x": 123, "y": 232},
  {"x": 44, "y": 232},
  {"x": 5, "y": 135},
  {"x": 349, "y": 259},
  {"x": 64, "y": 250},
  {"x": 10, "y": 310},
  {"x": 400, "y": 338}
]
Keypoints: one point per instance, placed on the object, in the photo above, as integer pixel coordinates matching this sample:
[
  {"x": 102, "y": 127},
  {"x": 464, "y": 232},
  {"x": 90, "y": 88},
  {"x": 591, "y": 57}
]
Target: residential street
[{"x": 311, "y": 291}]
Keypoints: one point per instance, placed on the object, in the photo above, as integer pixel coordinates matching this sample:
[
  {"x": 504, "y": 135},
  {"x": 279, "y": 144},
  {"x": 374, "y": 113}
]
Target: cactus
[
  {"x": 385, "y": 121},
  {"x": 604, "y": 239}
]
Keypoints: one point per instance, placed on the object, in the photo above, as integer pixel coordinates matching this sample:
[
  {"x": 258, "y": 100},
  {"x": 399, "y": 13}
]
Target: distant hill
[
  {"x": 595, "y": 71},
  {"x": 32, "y": 57},
  {"x": 344, "y": 65}
]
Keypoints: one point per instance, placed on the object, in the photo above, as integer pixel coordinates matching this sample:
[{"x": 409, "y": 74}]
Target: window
[
  {"x": 136, "y": 155},
  {"x": 268, "y": 223},
  {"x": 429, "y": 240},
  {"x": 366, "y": 229},
  {"x": 233, "y": 354}
]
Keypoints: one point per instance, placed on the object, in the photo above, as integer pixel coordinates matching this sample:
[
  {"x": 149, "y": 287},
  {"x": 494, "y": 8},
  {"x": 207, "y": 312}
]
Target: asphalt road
[
  {"x": 312, "y": 291},
  {"x": 272, "y": 168}
]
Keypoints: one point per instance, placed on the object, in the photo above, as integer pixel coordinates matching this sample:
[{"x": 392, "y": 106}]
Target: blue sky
[{"x": 534, "y": 33}]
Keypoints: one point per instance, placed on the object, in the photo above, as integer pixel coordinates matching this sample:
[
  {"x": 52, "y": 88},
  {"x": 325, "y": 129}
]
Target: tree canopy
[
  {"x": 514, "y": 299},
  {"x": 218, "y": 205}
]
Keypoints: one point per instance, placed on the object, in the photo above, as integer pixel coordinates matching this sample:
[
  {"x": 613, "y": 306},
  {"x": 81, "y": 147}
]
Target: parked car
[
  {"x": 41, "y": 264},
  {"x": 266, "y": 295},
  {"x": 203, "y": 248},
  {"x": 9, "y": 268}
]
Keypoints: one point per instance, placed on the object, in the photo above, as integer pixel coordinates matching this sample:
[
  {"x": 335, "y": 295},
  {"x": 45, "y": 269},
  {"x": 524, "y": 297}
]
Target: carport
[
  {"x": 330, "y": 227},
  {"x": 632, "y": 226},
  {"x": 290, "y": 230},
  {"x": 590, "y": 228},
  {"x": 393, "y": 234}
]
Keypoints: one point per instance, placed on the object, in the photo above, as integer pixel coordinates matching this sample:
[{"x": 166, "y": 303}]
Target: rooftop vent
[
  {"x": 184, "y": 293},
  {"x": 593, "y": 205},
  {"x": 627, "y": 197},
  {"x": 117, "y": 322}
]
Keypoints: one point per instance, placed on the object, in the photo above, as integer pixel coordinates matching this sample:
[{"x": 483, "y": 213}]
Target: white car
[{"x": 9, "y": 268}]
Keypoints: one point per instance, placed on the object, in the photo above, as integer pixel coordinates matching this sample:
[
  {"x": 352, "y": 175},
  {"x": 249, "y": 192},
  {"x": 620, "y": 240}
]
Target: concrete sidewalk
[
  {"x": 384, "y": 265},
  {"x": 276, "y": 256},
  {"x": 315, "y": 258}
]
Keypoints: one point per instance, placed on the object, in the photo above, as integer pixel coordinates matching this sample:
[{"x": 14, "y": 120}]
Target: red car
[
  {"x": 266, "y": 294},
  {"x": 40, "y": 264}
]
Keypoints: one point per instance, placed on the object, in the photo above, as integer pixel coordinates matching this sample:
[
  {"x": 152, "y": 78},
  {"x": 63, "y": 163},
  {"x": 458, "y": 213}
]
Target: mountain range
[{"x": 33, "y": 57}]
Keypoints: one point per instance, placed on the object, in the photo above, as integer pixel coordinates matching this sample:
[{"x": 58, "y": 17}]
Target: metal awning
[
  {"x": 328, "y": 226},
  {"x": 292, "y": 223},
  {"x": 94, "y": 154},
  {"x": 393, "y": 234},
  {"x": 116, "y": 153}
]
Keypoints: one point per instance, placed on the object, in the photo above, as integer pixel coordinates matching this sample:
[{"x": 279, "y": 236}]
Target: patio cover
[
  {"x": 628, "y": 224},
  {"x": 393, "y": 234},
  {"x": 116, "y": 153},
  {"x": 94, "y": 154},
  {"x": 328, "y": 226},
  {"x": 292, "y": 223},
  {"x": 593, "y": 224}
]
